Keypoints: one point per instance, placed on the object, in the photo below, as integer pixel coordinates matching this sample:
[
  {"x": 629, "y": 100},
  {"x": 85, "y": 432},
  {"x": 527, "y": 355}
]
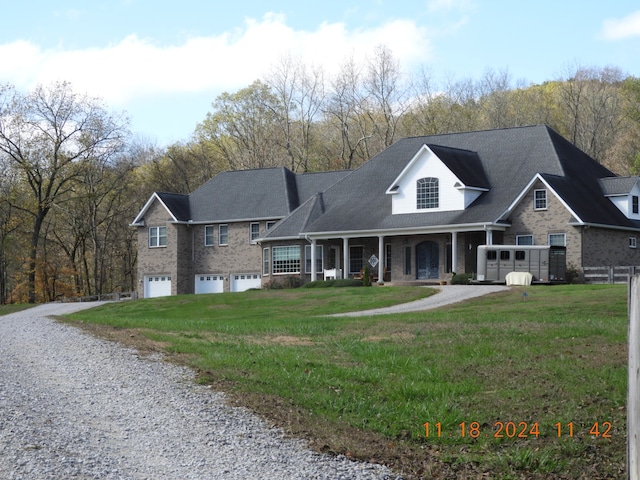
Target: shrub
[
  {"x": 572, "y": 274},
  {"x": 366, "y": 277},
  {"x": 346, "y": 282},
  {"x": 290, "y": 281},
  {"x": 461, "y": 278}
]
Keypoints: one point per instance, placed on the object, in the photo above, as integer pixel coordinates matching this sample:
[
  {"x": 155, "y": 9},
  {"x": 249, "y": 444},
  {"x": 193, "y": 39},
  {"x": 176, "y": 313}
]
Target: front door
[{"x": 427, "y": 260}]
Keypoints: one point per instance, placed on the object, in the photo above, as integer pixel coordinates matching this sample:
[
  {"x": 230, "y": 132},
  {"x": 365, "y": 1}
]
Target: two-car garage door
[{"x": 237, "y": 282}]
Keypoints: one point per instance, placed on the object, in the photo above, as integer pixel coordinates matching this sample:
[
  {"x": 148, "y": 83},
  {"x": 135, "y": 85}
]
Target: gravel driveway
[
  {"x": 447, "y": 295},
  {"x": 76, "y": 407}
]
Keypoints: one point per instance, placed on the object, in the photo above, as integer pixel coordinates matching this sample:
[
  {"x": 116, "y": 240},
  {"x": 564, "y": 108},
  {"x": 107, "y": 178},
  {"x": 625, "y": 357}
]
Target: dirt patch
[
  {"x": 284, "y": 340},
  {"x": 394, "y": 337}
]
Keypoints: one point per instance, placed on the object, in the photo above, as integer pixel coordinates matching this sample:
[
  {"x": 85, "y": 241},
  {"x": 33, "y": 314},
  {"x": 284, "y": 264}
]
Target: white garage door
[
  {"x": 244, "y": 281},
  {"x": 157, "y": 286},
  {"x": 209, "y": 284}
]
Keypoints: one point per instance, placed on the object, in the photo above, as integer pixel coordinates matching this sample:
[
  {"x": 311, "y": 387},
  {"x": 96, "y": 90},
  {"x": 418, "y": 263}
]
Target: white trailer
[{"x": 545, "y": 263}]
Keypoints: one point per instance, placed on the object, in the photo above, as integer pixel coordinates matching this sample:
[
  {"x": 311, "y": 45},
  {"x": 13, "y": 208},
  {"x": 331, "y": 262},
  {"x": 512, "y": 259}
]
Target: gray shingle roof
[
  {"x": 618, "y": 185},
  {"x": 504, "y": 160},
  {"x": 270, "y": 193}
]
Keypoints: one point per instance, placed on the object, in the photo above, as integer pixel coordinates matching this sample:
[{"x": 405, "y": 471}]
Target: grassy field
[
  {"x": 13, "y": 307},
  {"x": 511, "y": 386}
]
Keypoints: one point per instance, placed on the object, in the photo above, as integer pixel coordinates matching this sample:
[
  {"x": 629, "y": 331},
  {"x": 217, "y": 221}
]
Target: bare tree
[
  {"x": 50, "y": 135},
  {"x": 388, "y": 99},
  {"x": 300, "y": 95},
  {"x": 593, "y": 108}
]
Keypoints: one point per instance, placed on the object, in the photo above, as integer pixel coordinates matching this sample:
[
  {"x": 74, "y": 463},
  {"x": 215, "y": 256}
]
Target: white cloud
[
  {"x": 136, "y": 67},
  {"x": 618, "y": 29},
  {"x": 448, "y": 5}
]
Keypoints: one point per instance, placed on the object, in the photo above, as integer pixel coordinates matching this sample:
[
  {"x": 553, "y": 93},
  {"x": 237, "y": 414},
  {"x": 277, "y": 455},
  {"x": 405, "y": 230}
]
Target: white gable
[
  {"x": 453, "y": 195},
  {"x": 624, "y": 202}
]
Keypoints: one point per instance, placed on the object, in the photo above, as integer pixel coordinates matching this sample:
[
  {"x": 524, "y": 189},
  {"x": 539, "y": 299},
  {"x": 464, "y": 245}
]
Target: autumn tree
[
  {"x": 243, "y": 129},
  {"x": 49, "y": 137}
]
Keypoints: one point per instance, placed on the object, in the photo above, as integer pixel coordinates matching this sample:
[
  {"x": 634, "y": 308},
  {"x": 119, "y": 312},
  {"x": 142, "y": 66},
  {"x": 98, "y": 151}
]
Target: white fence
[
  {"x": 633, "y": 383},
  {"x": 609, "y": 274}
]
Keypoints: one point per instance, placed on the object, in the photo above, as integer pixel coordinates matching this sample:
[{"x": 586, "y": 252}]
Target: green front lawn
[{"x": 510, "y": 385}]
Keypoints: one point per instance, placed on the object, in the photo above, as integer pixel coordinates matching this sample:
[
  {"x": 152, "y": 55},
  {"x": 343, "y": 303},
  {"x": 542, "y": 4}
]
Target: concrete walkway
[{"x": 447, "y": 295}]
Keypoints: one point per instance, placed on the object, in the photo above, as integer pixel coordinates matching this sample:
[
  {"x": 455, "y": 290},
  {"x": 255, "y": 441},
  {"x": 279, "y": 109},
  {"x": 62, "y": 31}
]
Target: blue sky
[{"x": 165, "y": 62}]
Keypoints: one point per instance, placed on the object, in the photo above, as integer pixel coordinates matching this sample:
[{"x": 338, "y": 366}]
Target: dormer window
[
  {"x": 428, "y": 193},
  {"x": 634, "y": 204}
]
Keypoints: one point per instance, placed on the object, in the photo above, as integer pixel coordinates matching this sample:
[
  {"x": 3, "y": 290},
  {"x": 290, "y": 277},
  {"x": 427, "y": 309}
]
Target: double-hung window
[
  {"x": 254, "y": 232},
  {"x": 157, "y": 237},
  {"x": 209, "y": 235},
  {"x": 540, "y": 199},
  {"x": 223, "y": 235}
]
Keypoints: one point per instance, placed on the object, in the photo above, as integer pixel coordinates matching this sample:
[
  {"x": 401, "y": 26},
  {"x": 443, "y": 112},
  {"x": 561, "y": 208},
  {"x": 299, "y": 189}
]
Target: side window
[
  {"x": 634, "y": 204},
  {"x": 505, "y": 254},
  {"x": 520, "y": 255},
  {"x": 266, "y": 261}
]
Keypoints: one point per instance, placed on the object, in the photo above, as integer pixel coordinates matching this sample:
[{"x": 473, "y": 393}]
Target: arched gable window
[{"x": 428, "y": 193}]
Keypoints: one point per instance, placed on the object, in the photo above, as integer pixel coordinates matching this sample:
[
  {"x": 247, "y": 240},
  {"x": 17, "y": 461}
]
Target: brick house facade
[{"x": 416, "y": 212}]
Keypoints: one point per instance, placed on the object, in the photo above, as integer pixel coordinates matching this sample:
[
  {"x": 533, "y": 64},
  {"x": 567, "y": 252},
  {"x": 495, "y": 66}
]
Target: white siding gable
[
  {"x": 453, "y": 195},
  {"x": 625, "y": 202}
]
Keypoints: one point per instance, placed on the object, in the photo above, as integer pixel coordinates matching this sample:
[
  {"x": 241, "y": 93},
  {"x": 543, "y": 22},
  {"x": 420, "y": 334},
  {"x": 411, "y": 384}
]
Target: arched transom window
[{"x": 427, "y": 189}]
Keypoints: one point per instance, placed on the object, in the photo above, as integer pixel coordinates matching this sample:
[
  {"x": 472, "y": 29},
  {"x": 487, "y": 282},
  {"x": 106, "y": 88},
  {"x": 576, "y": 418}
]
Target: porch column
[
  {"x": 380, "y": 259},
  {"x": 314, "y": 274},
  {"x": 345, "y": 258},
  {"x": 489, "y": 240},
  {"x": 454, "y": 252}
]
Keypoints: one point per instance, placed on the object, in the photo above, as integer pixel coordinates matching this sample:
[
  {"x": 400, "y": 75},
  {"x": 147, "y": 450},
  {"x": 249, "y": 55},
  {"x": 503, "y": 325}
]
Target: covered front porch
[{"x": 401, "y": 258}]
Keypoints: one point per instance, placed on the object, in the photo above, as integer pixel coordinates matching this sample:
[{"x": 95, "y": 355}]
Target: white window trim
[
  {"x": 518, "y": 237},
  {"x": 213, "y": 236},
  {"x": 546, "y": 199},
  {"x": 633, "y": 242},
  {"x": 266, "y": 261},
  {"x": 220, "y": 243},
  {"x": 154, "y": 233},
  {"x": 564, "y": 236},
  {"x": 274, "y": 259},
  {"x": 252, "y": 239}
]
